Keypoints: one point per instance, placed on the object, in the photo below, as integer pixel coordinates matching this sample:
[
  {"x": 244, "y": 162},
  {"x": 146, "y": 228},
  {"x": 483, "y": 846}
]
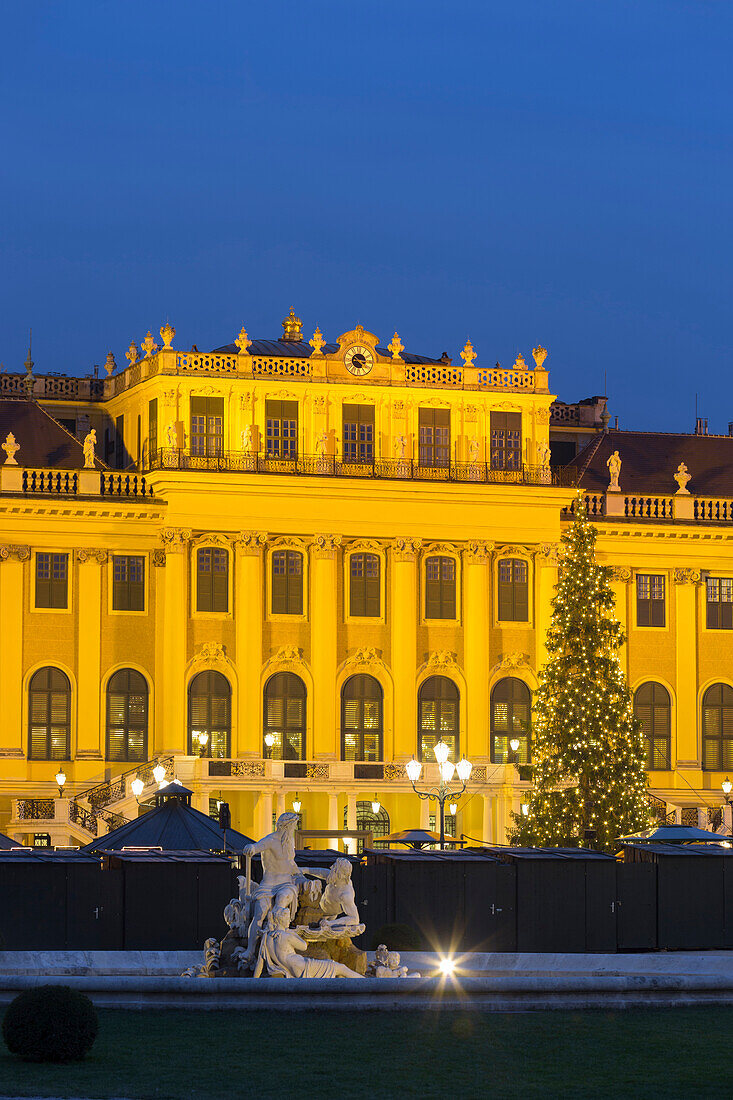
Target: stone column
[
  {"x": 425, "y": 807},
  {"x": 175, "y": 618},
  {"x": 333, "y": 812},
  {"x": 685, "y": 582},
  {"x": 476, "y": 574},
  {"x": 263, "y": 813},
  {"x": 487, "y": 824},
  {"x": 280, "y": 803},
  {"x": 157, "y": 721},
  {"x": 11, "y": 649},
  {"x": 546, "y": 563},
  {"x": 248, "y": 618},
  {"x": 89, "y": 732},
  {"x": 404, "y": 647},
  {"x": 323, "y": 618},
  {"x": 621, "y": 586},
  {"x": 350, "y": 812}
]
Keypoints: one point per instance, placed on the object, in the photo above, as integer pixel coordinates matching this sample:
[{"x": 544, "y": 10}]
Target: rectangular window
[
  {"x": 281, "y": 429},
  {"x": 649, "y": 600},
  {"x": 513, "y": 591},
  {"x": 52, "y": 580},
  {"x": 364, "y": 585},
  {"x": 720, "y": 603},
  {"x": 120, "y": 442},
  {"x": 358, "y": 433},
  {"x": 152, "y": 428},
  {"x": 287, "y": 582},
  {"x": 128, "y": 583},
  {"x": 207, "y": 425},
  {"x": 434, "y": 437},
  {"x": 440, "y": 588},
  {"x": 506, "y": 441},
  {"x": 212, "y": 580}
]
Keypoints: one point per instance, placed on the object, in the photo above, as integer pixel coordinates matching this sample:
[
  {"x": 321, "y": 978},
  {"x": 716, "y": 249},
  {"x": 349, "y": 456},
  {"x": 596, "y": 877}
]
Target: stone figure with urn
[{"x": 296, "y": 922}]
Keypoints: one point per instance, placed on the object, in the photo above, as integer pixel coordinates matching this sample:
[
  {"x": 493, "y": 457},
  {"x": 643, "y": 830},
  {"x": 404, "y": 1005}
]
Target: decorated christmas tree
[{"x": 587, "y": 746}]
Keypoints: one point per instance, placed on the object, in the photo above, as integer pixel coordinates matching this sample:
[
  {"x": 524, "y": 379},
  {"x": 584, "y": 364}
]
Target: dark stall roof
[
  {"x": 26, "y": 854},
  {"x": 301, "y": 349},
  {"x": 6, "y": 842},
  {"x": 649, "y": 461},
  {"x": 41, "y": 439},
  {"x": 155, "y": 855},
  {"x": 173, "y": 827},
  {"x": 460, "y": 855},
  {"x": 651, "y": 851},
  {"x": 547, "y": 853},
  {"x": 672, "y": 834}
]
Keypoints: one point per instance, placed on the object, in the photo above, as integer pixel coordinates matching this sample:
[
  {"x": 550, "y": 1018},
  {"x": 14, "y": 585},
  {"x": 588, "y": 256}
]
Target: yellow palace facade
[{"x": 280, "y": 569}]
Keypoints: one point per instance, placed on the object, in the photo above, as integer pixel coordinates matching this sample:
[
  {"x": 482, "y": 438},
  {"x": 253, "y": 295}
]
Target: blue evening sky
[{"x": 524, "y": 172}]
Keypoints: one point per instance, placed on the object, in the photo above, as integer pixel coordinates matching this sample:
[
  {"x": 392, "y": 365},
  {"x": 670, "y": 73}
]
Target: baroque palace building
[{"x": 281, "y": 569}]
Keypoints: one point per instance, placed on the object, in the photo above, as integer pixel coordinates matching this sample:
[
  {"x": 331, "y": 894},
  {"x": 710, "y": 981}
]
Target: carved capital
[
  {"x": 247, "y": 400},
  {"x": 159, "y": 558},
  {"x": 477, "y": 550},
  {"x": 250, "y": 542},
  {"x": 549, "y": 553},
  {"x": 20, "y": 553},
  {"x": 175, "y": 539},
  {"x": 542, "y": 416},
  {"x": 320, "y": 403},
  {"x": 325, "y": 546},
  {"x": 621, "y": 573},
  {"x": 406, "y": 549},
  {"x": 686, "y": 576},
  {"x": 470, "y": 413},
  {"x": 91, "y": 555}
]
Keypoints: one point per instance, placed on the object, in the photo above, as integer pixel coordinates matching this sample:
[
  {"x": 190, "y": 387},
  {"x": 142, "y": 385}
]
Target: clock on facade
[{"x": 359, "y": 360}]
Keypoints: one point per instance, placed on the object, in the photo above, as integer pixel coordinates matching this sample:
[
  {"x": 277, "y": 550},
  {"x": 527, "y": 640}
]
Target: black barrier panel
[
  {"x": 32, "y": 905},
  {"x": 550, "y": 905},
  {"x": 374, "y": 899},
  {"x": 728, "y": 901},
  {"x": 213, "y": 895},
  {"x": 600, "y": 905},
  {"x": 161, "y": 906},
  {"x": 690, "y": 901},
  {"x": 490, "y": 907},
  {"x": 428, "y": 895},
  {"x": 636, "y": 906},
  {"x": 93, "y": 907}
]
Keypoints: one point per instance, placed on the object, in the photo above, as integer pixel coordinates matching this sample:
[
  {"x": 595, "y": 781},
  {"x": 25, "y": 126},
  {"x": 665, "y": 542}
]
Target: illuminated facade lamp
[
  {"x": 727, "y": 786},
  {"x": 453, "y": 807},
  {"x": 525, "y": 809},
  {"x": 447, "y": 770},
  {"x": 60, "y": 781},
  {"x": 269, "y": 742},
  {"x": 376, "y": 806},
  {"x": 296, "y": 804},
  {"x": 514, "y": 744},
  {"x": 442, "y": 752},
  {"x": 413, "y": 768},
  {"x": 464, "y": 768},
  {"x": 136, "y": 787},
  {"x": 159, "y": 774}
]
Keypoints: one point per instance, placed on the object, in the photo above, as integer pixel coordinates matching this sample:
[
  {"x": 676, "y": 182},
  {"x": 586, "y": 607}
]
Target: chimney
[
  {"x": 730, "y": 427},
  {"x": 701, "y": 425}
]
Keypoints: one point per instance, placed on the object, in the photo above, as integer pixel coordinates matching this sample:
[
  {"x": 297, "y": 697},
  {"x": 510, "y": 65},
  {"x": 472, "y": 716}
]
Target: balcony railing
[{"x": 395, "y": 469}]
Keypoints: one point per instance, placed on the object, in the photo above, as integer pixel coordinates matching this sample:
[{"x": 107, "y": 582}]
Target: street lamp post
[
  {"x": 443, "y": 792},
  {"x": 727, "y": 787}
]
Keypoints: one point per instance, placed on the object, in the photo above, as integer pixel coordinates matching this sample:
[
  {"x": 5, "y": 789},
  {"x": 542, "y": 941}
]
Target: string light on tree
[{"x": 588, "y": 748}]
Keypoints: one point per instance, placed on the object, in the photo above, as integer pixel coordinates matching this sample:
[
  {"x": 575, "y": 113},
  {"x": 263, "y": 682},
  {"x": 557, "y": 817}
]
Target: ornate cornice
[
  {"x": 325, "y": 546},
  {"x": 686, "y": 576},
  {"x": 175, "y": 539},
  {"x": 620, "y": 574},
  {"x": 91, "y": 555},
  {"x": 440, "y": 548},
  {"x": 510, "y": 549},
  {"x": 213, "y": 538},
  {"x": 20, "y": 553},
  {"x": 250, "y": 542},
  {"x": 405, "y": 549},
  {"x": 374, "y": 546}
]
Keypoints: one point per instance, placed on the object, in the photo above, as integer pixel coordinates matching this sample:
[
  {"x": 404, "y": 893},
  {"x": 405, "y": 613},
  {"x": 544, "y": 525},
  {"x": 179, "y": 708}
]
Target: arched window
[
  {"x": 438, "y": 704},
  {"x": 49, "y": 715},
  {"x": 361, "y": 719},
  {"x": 653, "y": 708},
  {"x": 717, "y": 728},
  {"x": 127, "y": 716},
  {"x": 440, "y": 587},
  {"x": 284, "y": 717},
  {"x": 209, "y": 715},
  {"x": 511, "y": 720},
  {"x": 375, "y": 823}
]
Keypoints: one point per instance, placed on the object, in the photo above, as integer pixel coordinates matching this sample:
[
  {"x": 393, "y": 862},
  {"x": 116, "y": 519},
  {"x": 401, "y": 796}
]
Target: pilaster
[
  {"x": 476, "y": 574},
  {"x": 11, "y": 649},
  {"x": 404, "y": 644},
  {"x": 323, "y": 612},
  {"x": 248, "y": 615},
  {"x": 89, "y": 732},
  {"x": 621, "y": 586},
  {"x": 175, "y": 618},
  {"x": 685, "y": 583}
]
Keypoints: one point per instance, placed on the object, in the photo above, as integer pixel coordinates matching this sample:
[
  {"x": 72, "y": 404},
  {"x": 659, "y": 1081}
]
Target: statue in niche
[
  {"x": 322, "y": 444},
  {"x": 90, "y": 442},
  {"x": 682, "y": 477},
  {"x": 543, "y": 455},
  {"x": 614, "y": 469},
  {"x": 400, "y": 447},
  {"x": 171, "y": 437},
  {"x": 246, "y": 438},
  {"x": 473, "y": 449}
]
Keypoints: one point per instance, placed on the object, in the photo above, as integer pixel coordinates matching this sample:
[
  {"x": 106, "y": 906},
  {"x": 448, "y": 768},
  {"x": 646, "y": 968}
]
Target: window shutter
[
  {"x": 137, "y": 594},
  {"x": 203, "y": 581},
  {"x": 279, "y": 583},
  {"x": 220, "y": 581},
  {"x": 521, "y": 600},
  {"x": 432, "y": 599},
  {"x": 506, "y": 602},
  {"x": 295, "y": 583},
  {"x": 371, "y": 580}
]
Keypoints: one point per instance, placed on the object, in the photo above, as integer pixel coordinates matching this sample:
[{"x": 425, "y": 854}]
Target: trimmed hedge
[
  {"x": 397, "y": 937},
  {"x": 51, "y": 1023}
]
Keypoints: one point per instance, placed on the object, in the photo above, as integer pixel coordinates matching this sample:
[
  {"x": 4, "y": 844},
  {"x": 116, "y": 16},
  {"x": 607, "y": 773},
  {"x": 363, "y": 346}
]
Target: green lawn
[{"x": 639, "y": 1053}]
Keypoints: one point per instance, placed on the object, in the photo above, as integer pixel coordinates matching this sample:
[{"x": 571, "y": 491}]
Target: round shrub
[
  {"x": 52, "y": 1023},
  {"x": 397, "y": 937}
]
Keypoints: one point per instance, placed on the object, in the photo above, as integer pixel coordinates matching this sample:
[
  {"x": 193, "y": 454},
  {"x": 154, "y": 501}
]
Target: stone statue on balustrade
[
  {"x": 614, "y": 469},
  {"x": 90, "y": 442},
  {"x": 682, "y": 477}
]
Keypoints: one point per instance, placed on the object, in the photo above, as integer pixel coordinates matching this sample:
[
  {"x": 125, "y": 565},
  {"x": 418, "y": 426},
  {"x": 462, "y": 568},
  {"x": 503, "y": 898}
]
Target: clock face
[{"x": 359, "y": 360}]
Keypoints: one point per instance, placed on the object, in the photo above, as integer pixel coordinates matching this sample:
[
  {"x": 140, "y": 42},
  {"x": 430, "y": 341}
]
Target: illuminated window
[
  {"x": 49, "y": 715},
  {"x": 649, "y": 600},
  {"x": 376, "y": 824},
  {"x": 506, "y": 441},
  {"x": 513, "y": 591},
  {"x": 281, "y": 429},
  {"x": 212, "y": 579},
  {"x": 653, "y": 708},
  {"x": 717, "y": 728},
  {"x": 207, "y": 425},
  {"x": 719, "y": 603},
  {"x": 440, "y": 588},
  {"x": 361, "y": 719},
  {"x": 438, "y": 713},
  {"x": 209, "y": 715},
  {"x": 127, "y": 716},
  {"x": 434, "y": 437},
  {"x": 358, "y": 433},
  {"x": 287, "y": 582},
  {"x": 52, "y": 580},
  {"x": 128, "y": 582},
  {"x": 364, "y": 595},
  {"x": 284, "y": 716},
  {"x": 511, "y": 720}
]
